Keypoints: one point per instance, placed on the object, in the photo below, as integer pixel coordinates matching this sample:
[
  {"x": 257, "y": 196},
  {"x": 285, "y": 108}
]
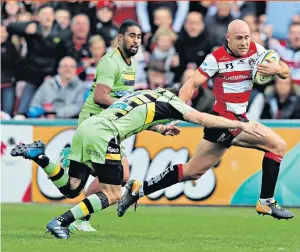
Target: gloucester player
[{"x": 230, "y": 68}]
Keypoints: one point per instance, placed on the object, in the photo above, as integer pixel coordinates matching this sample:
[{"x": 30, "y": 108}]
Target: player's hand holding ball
[{"x": 266, "y": 68}]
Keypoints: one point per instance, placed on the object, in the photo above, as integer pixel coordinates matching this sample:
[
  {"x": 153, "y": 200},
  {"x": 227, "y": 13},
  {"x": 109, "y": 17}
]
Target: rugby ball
[{"x": 257, "y": 77}]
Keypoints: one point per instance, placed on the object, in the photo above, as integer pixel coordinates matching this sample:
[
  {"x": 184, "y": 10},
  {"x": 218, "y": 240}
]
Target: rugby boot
[
  {"x": 273, "y": 209},
  {"x": 57, "y": 230},
  {"x": 29, "y": 151},
  {"x": 81, "y": 225},
  {"x": 130, "y": 196}
]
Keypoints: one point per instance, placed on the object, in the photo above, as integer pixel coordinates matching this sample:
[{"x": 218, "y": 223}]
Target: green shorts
[
  {"x": 85, "y": 115},
  {"x": 95, "y": 142}
]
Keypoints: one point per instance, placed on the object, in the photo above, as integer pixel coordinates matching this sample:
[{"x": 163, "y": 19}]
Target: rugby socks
[
  {"x": 170, "y": 176},
  {"x": 57, "y": 174},
  {"x": 92, "y": 204},
  {"x": 270, "y": 171}
]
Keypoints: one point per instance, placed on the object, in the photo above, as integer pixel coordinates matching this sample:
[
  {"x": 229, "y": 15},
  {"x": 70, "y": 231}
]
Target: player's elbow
[{"x": 100, "y": 98}]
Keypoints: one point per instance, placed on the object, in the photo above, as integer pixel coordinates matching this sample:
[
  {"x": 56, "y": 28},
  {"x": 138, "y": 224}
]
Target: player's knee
[{"x": 280, "y": 147}]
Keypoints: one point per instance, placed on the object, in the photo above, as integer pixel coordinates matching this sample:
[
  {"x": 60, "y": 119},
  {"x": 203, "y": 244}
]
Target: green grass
[{"x": 152, "y": 229}]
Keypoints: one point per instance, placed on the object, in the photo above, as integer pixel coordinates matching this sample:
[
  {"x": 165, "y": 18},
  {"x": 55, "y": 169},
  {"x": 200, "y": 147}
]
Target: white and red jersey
[
  {"x": 290, "y": 57},
  {"x": 232, "y": 80}
]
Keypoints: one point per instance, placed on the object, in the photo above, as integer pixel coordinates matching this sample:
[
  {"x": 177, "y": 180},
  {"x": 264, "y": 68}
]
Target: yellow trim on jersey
[
  {"x": 113, "y": 156},
  {"x": 129, "y": 77},
  {"x": 55, "y": 172},
  {"x": 143, "y": 98},
  {"x": 153, "y": 95},
  {"x": 84, "y": 208},
  {"x": 150, "y": 112},
  {"x": 137, "y": 100}
]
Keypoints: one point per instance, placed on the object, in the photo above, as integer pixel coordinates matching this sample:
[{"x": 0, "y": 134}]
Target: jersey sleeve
[
  {"x": 260, "y": 49},
  {"x": 106, "y": 72},
  {"x": 209, "y": 67},
  {"x": 180, "y": 107}
]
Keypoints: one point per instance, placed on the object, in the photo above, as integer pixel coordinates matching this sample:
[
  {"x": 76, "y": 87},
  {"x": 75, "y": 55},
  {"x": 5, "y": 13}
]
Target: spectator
[
  {"x": 103, "y": 24},
  {"x": 251, "y": 20},
  {"x": 124, "y": 10},
  {"x": 75, "y": 7},
  {"x": 192, "y": 45},
  {"x": 45, "y": 48},
  {"x": 200, "y": 6},
  {"x": 218, "y": 23},
  {"x": 163, "y": 57},
  {"x": 258, "y": 37},
  {"x": 60, "y": 96},
  {"x": 63, "y": 18},
  {"x": 146, "y": 15},
  {"x": 9, "y": 57},
  {"x": 282, "y": 102},
  {"x": 77, "y": 41},
  {"x": 10, "y": 10},
  {"x": 202, "y": 99},
  {"x": 97, "y": 48},
  {"x": 290, "y": 54}
]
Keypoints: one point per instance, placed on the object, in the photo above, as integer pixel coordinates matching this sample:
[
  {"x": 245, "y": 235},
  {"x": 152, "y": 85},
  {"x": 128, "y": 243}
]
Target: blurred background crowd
[{"x": 49, "y": 50}]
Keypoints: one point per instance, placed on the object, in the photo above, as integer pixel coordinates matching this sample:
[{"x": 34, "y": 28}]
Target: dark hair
[
  {"x": 127, "y": 23},
  {"x": 43, "y": 7},
  {"x": 175, "y": 91}
]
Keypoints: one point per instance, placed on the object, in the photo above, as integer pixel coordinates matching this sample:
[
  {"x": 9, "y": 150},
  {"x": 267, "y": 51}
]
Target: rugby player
[
  {"x": 96, "y": 146},
  {"x": 230, "y": 68},
  {"x": 114, "y": 78}
]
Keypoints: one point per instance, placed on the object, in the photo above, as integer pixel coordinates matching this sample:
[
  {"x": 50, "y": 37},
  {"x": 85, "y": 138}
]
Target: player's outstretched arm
[
  {"x": 211, "y": 121},
  {"x": 166, "y": 130},
  {"x": 188, "y": 88},
  {"x": 102, "y": 95}
]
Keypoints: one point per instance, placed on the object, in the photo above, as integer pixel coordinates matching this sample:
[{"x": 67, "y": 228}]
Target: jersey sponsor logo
[
  {"x": 237, "y": 77},
  {"x": 121, "y": 93},
  {"x": 128, "y": 79},
  {"x": 119, "y": 105},
  {"x": 93, "y": 153},
  {"x": 113, "y": 150}
]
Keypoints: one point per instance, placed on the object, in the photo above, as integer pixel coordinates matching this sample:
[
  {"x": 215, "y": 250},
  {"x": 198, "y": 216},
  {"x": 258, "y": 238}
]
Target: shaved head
[
  {"x": 238, "y": 37},
  {"x": 238, "y": 26}
]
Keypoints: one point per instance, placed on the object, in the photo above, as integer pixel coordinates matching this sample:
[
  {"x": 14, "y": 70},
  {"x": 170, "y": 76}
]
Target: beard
[{"x": 129, "y": 52}]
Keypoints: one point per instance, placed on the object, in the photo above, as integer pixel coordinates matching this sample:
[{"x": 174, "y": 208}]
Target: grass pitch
[{"x": 157, "y": 229}]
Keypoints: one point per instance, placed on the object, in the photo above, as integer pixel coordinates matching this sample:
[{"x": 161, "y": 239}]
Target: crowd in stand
[{"x": 49, "y": 51}]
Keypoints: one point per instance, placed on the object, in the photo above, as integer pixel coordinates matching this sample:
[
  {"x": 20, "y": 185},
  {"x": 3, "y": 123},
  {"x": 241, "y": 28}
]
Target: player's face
[
  {"x": 131, "y": 40},
  {"x": 239, "y": 42}
]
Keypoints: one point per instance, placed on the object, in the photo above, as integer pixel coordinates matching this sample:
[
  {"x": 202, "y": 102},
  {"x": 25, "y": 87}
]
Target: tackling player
[
  {"x": 96, "y": 146},
  {"x": 230, "y": 67}
]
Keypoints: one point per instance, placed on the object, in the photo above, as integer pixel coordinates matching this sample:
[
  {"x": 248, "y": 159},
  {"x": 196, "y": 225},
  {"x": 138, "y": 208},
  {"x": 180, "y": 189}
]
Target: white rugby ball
[{"x": 257, "y": 77}]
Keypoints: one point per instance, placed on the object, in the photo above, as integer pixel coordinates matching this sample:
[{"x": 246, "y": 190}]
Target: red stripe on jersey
[
  {"x": 235, "y": 97},
  {"x": 222, "y": 55},
  {"x": 202, "y": 72},
  {"x": 297, "y": 82}
]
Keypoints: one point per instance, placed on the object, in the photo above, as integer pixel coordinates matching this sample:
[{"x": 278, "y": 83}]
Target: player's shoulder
[{"x": 109, "y": 59}]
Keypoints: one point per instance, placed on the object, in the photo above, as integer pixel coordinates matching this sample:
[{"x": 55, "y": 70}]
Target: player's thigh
[
  {"x": 270, "y": 142},
  {"x": 207, "y": 154}
]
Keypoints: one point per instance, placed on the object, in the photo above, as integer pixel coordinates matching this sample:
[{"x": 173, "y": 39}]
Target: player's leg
[
  {"x": 110, "y": 178},
  {"x": 274, "y": 147},
  {"x": 70, "y": 184},
  {"x": 84, "y": 224},
  {"x": 207, "y": 155}
]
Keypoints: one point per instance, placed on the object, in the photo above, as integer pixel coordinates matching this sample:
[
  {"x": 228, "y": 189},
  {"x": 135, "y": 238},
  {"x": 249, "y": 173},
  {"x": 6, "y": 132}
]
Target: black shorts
[
  {"x": 223, "y": 136},
  {"x": 111, "y": 174}
]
